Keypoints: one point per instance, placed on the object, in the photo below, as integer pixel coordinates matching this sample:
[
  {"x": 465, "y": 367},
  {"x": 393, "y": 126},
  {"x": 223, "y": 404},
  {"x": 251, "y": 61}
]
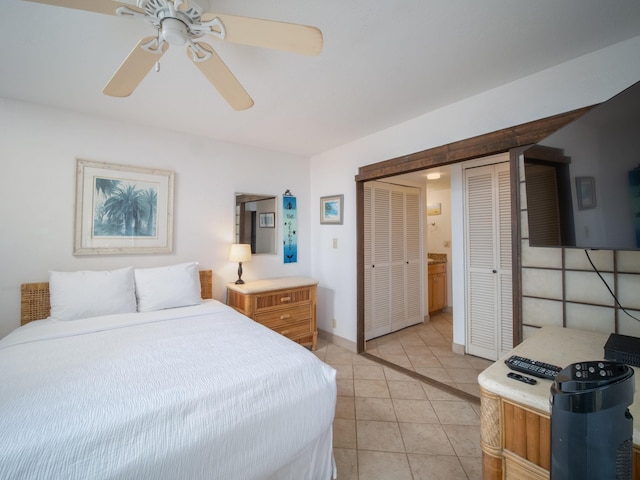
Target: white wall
[
  {"x": 580, "y": 82},
  {"x": 38, "y": 151},
  {"x": 39, "y": 147}
]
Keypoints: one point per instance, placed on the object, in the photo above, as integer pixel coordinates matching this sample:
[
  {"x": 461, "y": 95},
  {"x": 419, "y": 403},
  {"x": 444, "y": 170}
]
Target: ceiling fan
[{"x": 183, "y": 22}]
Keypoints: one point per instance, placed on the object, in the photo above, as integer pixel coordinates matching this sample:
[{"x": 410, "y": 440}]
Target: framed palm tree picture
[{"x": 122, "y": 209}]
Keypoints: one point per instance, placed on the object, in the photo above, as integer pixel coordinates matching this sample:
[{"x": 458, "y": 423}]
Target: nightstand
[{"x": 286, "y": 305}]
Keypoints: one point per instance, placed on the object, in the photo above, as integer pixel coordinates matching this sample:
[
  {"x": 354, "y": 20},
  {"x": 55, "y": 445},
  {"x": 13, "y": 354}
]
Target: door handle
[{"x": 494, "y": 271}]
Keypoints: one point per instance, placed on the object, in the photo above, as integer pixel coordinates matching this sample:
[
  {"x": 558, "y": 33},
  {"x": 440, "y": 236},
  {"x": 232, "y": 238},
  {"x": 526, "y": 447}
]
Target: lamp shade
[{"x": 240, "y": 252}]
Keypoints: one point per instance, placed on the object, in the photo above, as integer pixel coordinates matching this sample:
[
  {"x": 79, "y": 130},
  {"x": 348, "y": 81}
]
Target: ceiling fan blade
[
  {"x": 290, "y": 37},
  {"x": 221, "y": 77},
  {"x": 108, "y": 7},
  {"x": 134, "y": 68},
  {"x": 182, "y": 5}
]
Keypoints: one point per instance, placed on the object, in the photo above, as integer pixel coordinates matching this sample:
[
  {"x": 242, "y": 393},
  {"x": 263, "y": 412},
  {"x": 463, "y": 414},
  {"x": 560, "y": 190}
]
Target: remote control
[
  {"x": 532, "y": 367},
  {"x": 522, "y": 378}
]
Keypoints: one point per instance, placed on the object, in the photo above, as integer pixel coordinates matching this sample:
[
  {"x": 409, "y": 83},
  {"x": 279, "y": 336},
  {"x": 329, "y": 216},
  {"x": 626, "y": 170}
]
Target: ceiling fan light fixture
[{"x": 174, "y": 31}]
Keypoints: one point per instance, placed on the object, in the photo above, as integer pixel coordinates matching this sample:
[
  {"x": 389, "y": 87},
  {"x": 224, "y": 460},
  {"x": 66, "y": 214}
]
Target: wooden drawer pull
[
  {"x": 285, "y": 299},
  {"x": 285, "y": 332},
  {"x": 285, "y": 317}
]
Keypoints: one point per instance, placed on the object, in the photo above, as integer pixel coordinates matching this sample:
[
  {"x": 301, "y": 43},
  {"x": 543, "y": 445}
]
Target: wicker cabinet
[
  {"x": 515, "y": 425},
  {"x": 285, "y": 305},
  {"x": 437, "y": 286}
]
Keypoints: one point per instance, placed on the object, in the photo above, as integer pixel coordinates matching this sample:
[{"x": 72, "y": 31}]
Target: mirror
[{"x": 256, "y": 222}]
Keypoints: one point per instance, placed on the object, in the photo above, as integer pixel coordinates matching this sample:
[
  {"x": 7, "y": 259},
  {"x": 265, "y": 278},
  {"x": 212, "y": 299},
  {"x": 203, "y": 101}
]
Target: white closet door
[
  {"x": 392, "y": 244},
  {"x": 488, "y": 248},
  {"x": 368, "y": 308},
  {"x": 398, "y": 225},
  {"x": 380, "y": 266},
  {"x": 413, "y": 259},
  {"x": 505, "y": 273}
]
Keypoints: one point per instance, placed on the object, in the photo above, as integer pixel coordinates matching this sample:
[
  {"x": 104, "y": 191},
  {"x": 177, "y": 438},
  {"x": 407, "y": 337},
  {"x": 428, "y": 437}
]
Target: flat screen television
[{"x": 583, "y": 182}]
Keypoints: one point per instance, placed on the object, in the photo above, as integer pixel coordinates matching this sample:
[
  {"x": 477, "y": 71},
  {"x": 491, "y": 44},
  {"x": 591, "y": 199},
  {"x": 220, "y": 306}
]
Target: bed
[{"x": 192, "y": 392}]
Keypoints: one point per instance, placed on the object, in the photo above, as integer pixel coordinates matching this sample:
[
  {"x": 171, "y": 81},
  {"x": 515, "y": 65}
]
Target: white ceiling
[{"x": 384, "y": 62}]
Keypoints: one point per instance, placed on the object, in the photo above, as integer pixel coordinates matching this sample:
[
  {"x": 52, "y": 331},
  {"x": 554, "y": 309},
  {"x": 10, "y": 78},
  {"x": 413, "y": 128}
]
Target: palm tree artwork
[{"x": 124, "y": 208}]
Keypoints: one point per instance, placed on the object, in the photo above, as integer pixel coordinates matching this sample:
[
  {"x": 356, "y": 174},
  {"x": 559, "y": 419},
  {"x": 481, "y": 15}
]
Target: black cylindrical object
[{"x": 591, "y": 427}]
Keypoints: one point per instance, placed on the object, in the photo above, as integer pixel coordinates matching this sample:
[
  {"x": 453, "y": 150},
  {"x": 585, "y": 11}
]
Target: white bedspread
[{"x": 199, "y": 392}]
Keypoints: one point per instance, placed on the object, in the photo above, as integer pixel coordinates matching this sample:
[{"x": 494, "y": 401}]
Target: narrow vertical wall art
[{"x": 290, "y": 230}]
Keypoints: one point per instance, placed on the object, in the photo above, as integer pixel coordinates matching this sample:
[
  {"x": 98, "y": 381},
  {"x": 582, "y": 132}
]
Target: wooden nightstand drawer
[
  {"x": 286, "y": 305},
  {"x": 294, "y": 331},
  {"x": 284, "y": 315},
  {"x": 282, "y": 297}
]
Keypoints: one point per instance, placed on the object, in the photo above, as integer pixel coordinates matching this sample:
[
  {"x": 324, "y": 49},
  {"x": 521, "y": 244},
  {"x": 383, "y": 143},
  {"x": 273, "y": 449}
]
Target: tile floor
[
  {"x": 391, "y": 426},
  {"x": 426, "y": 350}
]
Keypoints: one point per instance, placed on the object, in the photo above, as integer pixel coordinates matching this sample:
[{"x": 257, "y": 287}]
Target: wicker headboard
[{"x": 35, "y": 301}]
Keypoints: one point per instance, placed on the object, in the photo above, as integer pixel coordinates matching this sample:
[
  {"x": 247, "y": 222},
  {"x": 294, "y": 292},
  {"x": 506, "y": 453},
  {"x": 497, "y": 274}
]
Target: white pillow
[
  {"x": 167, "y": 287},
  {"x": 86, "y": 294}
]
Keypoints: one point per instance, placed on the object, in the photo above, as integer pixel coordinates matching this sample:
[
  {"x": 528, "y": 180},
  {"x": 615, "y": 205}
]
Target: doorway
[{"x": 428, "y": 348}]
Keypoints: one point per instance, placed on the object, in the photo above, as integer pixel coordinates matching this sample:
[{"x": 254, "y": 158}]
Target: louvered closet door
[
  {"x": 488, "y": 248},
  {"x": 398, "y": 299},
  {"x": 392, "y": 240},
  {"x": 505, "y": 273},
  {"x": 368, "y": 307},
  {"x": 378, "y": 269},
  {"x": 413, "y": 258}
]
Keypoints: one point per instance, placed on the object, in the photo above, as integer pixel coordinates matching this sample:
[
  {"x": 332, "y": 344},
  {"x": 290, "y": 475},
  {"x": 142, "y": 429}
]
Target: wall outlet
[
  {"x": 335, "y": 243},
  {"x": 334, "y": 323},
  {"x": 446, "y": 244}
]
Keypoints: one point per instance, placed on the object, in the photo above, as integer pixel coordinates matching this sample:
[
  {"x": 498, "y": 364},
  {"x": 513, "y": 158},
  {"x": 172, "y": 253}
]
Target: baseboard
[
  {"x": 337, "y": 340},
  {"x": 457, "y": 348}
]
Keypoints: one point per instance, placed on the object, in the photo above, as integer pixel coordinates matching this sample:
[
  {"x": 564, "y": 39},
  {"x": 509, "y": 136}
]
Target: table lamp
[{"x": 240, "y": 252}]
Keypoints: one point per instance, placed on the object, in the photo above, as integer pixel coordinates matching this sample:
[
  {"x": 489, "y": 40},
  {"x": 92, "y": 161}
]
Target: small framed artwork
[
  {"x": 267, "y": 220},
  {"x": 586, "y": 192},
  {"x": 434, "y": 209},
  {"x": 122, "y": 209},
  {"x": 331, "y": 209}
]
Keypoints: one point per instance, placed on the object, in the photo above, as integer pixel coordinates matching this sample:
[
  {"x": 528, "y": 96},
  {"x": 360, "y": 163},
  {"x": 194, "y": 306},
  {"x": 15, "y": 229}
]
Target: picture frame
[
  {"x": 586, "y": 192},
  {"x": 106, "y": 223},
  {"x": 267, "y": 220},
  {"x": 331, "y": 209},
  {"x": 434, "y": 209}
]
